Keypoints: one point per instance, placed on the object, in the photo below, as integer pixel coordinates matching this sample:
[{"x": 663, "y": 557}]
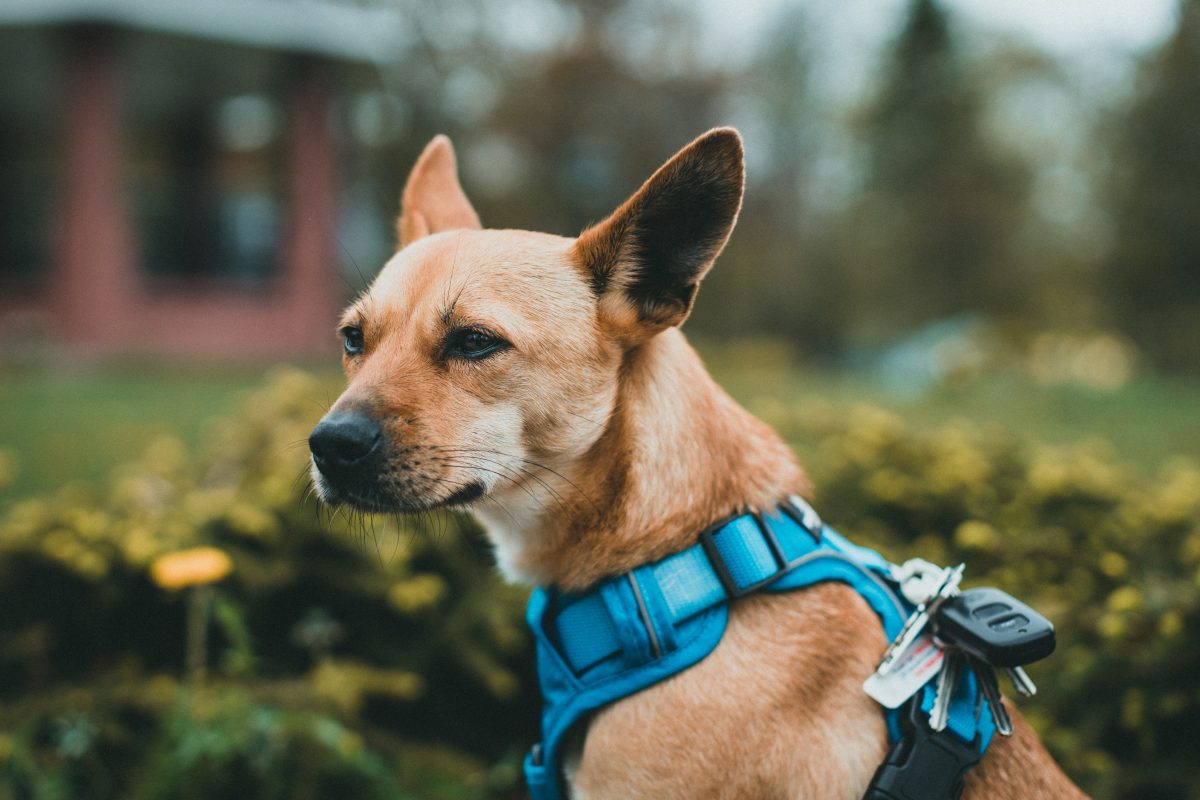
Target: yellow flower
[
  {"x": 976, "y": 535},
  {"x": 1133, "y": 709},
  {"x": 251, "y": 520},
  {"x": 1125, "y": 599},
  {"x": 501, "y": 683},
  {"x": 417, "y": 592},
  {"x": 1111, "y": 626},
  {"x": 1170, "y": 624},
  {"x": 889, "y": 485},
  {"x": 1114, "y": 565},
  {"x": 194, "y": 567}
]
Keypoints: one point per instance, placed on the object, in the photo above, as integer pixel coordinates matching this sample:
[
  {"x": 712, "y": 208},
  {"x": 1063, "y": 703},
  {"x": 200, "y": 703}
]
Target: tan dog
[{"x": 543, "y": 383}]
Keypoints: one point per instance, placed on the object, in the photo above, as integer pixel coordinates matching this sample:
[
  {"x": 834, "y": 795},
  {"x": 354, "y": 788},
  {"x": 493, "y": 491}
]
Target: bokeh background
[{"x": 965, "y": 286}]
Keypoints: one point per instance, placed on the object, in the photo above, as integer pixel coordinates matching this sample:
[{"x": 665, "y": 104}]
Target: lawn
[
  {"x": 1148, "y": 421},
  {"x": 63, "y": 426}
]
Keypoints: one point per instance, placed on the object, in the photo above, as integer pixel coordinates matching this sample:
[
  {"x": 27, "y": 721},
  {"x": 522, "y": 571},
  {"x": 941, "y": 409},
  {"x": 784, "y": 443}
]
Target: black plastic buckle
[
  {"x": 722, "y": 569},
  {"x": 924, "y": 764}
]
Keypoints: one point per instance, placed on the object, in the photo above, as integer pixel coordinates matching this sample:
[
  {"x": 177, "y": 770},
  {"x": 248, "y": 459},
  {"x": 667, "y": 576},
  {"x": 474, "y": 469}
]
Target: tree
[
  {"x": 1154, "y": 266},
  {"x": 595, "y": 114},
  {"x": 773, "y": 278},
  {"x": 930, "y": 236}
]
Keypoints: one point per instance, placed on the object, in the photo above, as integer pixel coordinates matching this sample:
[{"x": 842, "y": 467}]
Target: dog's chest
[{"x": 775, "y": 711}]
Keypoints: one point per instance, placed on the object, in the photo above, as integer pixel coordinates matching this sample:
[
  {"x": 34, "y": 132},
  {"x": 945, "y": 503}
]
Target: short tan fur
[{"x": 590, "y": 440}]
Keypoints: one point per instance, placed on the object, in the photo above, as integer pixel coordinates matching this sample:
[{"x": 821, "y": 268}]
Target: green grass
[
  {"x": 1150, "y": 420},
  {"x": 76, "y": 425},
  {"x": 66, "y": 426}
]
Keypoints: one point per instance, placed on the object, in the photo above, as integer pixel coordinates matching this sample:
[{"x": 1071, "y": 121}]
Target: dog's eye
[
  {"x": 352, "y": 340},
  {"x": 473, "y": 343}
]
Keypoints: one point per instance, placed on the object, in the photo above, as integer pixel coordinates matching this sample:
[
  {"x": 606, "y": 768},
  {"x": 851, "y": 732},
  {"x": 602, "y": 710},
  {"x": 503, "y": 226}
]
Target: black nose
[{"x": 344, "y": 439}]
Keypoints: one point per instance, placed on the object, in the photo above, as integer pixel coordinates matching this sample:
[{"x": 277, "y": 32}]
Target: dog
[{"x": 543, "y": 384}]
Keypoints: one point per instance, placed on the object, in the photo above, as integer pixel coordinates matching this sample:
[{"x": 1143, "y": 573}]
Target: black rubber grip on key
[
  {"x": 923, "y": 764},
  {"x": 995, "y": 627}
]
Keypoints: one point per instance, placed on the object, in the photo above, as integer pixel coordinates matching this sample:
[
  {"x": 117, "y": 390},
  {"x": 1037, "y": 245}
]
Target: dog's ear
[
  {"x": 433, "y": 200},
  {"x": 645, "y": 261}
]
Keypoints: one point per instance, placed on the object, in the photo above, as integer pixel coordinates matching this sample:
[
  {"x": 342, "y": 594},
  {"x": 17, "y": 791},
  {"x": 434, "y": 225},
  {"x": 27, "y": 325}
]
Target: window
[
  {"x": 373, "y": 124},
  {"x": 207, "y": 154}
]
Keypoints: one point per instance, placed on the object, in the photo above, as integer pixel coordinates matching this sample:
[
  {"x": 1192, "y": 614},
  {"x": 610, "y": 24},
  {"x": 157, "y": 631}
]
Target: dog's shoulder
[{"x": 777, "y": 710}]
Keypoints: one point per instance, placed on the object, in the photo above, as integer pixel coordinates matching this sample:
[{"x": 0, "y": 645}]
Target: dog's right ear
[
  {"x": 433, "y": 199},
  {"x": 645, "y": 261}
]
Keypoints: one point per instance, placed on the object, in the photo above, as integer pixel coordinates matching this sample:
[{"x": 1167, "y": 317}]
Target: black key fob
[{"x": 995, "y": 627}]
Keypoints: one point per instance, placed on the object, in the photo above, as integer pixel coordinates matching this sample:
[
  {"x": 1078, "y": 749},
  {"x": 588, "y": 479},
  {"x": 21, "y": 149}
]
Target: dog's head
[{"x": 478, "y": 353}]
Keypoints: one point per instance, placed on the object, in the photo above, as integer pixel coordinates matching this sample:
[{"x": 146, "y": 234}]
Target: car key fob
[{"x": 994, "y": 626}]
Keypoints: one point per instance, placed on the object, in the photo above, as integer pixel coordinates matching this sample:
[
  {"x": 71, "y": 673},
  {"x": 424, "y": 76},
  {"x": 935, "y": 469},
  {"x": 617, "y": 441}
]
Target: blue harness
[{"x": 632, "y": 631}]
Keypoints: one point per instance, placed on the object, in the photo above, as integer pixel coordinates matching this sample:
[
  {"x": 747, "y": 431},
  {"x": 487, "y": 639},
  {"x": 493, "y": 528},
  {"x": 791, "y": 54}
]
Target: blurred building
[{"x": 173, "y": 174}]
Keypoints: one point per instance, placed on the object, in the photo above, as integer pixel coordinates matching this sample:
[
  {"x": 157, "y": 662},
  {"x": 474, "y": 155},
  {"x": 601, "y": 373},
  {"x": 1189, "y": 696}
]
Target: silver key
[
  {"x": 986, "y": 677},
  {"x": 947, "y": 680},
  {"x": 901, "y": 644},
  {"x": 1021, "y": 681},
  {"x": 920, "y": 618}
]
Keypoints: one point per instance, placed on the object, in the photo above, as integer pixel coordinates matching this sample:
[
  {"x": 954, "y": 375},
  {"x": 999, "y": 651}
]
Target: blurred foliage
[
  {"x": 934, "y": 163},
  {"x": 1111, "y": 557},
  {"x": 939, "y": 199},
  {"x": 964, "y": 171},
  {"x": 347, "y": 657},
  {"x": 1155, "y": 286},
  {"x": 355, "y": 657}
]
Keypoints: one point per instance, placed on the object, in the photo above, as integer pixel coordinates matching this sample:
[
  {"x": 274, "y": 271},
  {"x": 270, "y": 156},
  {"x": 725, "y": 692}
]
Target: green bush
[
  {"x": 1111, "y": 557},
  {"x": 373, "y": 657},
  {"x": 379, "y": 657}
]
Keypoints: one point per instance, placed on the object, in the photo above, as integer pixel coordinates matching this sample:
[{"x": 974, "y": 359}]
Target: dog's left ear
[
  {"x": 645, "y": 261},
  {"x": 433, "y": 199}
]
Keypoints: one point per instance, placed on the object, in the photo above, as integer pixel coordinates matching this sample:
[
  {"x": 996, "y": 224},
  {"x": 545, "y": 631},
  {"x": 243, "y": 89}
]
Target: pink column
[
  {"x": 93, "y": 288},
  {"x": 310, "y": 265}
]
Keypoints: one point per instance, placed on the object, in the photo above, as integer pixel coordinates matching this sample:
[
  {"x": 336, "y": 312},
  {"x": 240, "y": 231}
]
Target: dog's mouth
[
  {"x": 362, "y": 496},
  {"x": 472, "y": 491}
]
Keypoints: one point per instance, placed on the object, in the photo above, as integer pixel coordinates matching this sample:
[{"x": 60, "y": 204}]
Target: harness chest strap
[{"x": 632, "y": 631}]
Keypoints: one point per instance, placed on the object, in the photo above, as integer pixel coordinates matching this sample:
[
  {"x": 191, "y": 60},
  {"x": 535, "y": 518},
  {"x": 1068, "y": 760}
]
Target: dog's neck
[{"x": 677, "y": 454}]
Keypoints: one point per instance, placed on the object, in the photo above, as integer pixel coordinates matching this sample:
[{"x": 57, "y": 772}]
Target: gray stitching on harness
[
  {"x": 645, "y": 614},
  {"x": 819, "y": 554}
]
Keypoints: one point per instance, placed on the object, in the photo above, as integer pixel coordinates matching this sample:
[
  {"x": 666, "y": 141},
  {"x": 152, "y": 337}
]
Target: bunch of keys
[
  {"x": 988, "y": 629},
  {"x": 981, "y": 629}
]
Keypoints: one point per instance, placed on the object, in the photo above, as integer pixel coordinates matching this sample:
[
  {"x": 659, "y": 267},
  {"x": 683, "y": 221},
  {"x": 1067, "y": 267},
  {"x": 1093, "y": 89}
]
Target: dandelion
[
  {"x": 195, "y": 567},
  {"x": 195, "y": 570}
]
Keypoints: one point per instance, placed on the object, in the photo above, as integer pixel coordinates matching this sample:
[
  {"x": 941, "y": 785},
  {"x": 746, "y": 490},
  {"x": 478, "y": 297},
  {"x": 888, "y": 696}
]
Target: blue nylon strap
[
  {"x": 634, "y": 630},
  {"x": 688, "y": 583}
]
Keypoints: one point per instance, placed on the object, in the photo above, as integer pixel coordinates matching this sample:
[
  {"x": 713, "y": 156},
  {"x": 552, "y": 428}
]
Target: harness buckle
[
  {"x": 721, "y": 568},
  {"x": 923, "y": 764}
]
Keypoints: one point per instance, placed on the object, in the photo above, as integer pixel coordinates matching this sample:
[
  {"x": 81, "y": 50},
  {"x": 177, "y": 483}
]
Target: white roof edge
[{"x": 355, "y": 33}]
